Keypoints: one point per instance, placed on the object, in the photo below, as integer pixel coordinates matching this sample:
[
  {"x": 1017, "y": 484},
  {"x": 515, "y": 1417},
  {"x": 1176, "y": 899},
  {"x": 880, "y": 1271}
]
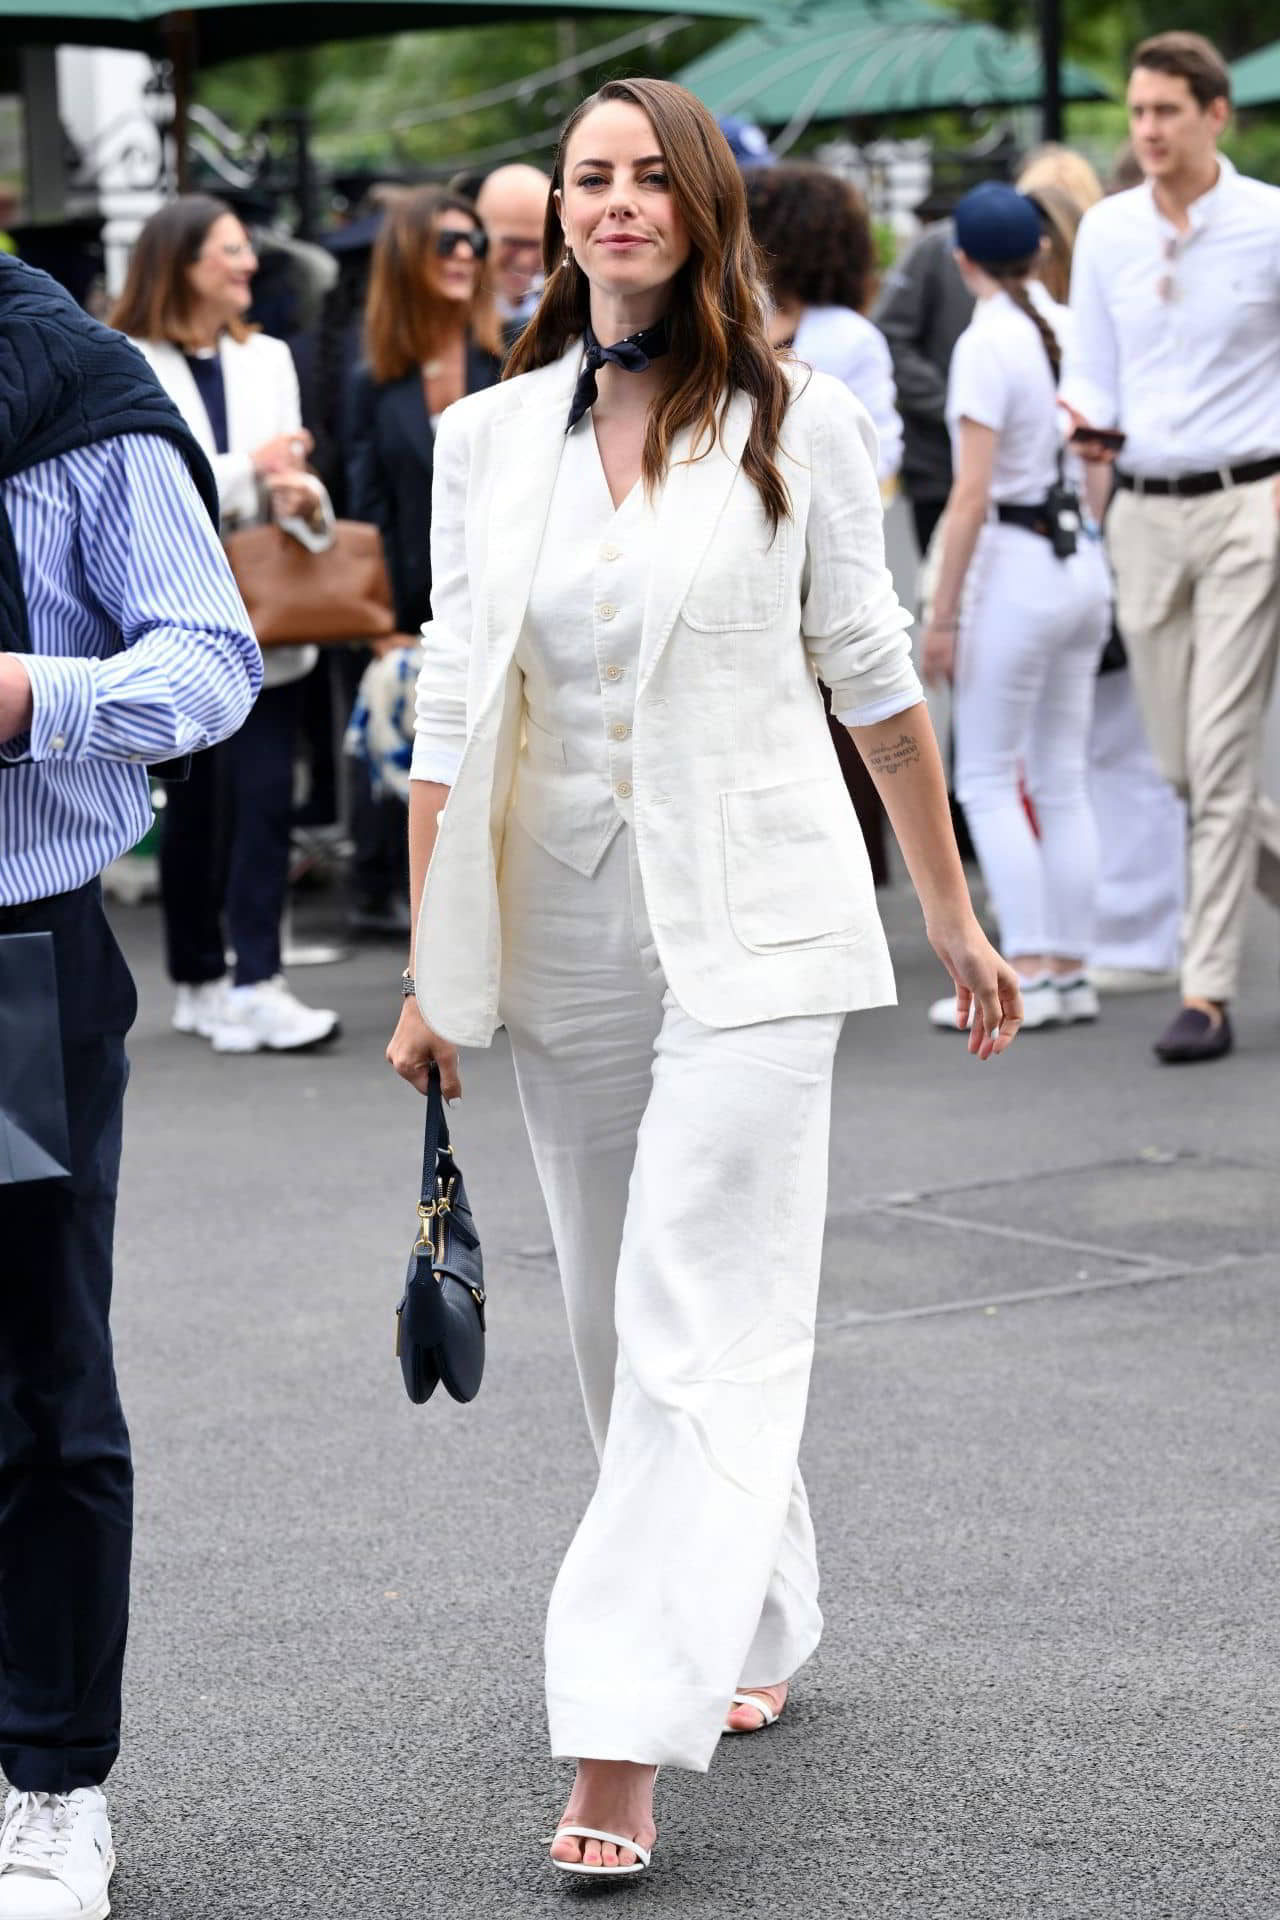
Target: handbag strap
[{"x": 437, "y": 1137}]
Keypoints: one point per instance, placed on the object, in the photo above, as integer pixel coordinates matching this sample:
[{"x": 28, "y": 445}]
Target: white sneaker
[
  {"x": 199, "y": 1009},
  {"x": 1078, "y": 1001},
  {"x": 268, "y": 1015},
  {"x": 1041, "y": 1004},
  {"x": 1134, "y": 979},
  {"x": 56, "y": 1856}
]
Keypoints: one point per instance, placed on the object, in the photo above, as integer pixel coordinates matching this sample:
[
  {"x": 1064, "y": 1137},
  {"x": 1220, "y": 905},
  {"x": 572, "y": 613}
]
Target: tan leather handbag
[{"x": 299, "y": 598}]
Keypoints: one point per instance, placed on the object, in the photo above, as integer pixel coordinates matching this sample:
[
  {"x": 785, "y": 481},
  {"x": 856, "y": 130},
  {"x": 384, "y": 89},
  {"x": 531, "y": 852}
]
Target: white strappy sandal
[
  {"x": 645, "y": 1854},
  {"x": 759, "y": 1703}
]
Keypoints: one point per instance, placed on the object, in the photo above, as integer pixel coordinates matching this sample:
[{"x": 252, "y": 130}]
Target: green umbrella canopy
[
  {"x": 230, "y": 29},
  {"x": 1255, "y": 80},
  {"x": 845, "y": 59}
]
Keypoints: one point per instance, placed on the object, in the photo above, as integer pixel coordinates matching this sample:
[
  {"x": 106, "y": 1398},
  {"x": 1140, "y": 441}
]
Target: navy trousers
[
  {"x": 224, "y": 849},
  {"x": 66, "y": 1479}
]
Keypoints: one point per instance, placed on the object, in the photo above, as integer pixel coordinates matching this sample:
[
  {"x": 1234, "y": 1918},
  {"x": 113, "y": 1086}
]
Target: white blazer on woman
[
  {"x": 261, "y": 385},
  {"x": 755, "y": 874}
]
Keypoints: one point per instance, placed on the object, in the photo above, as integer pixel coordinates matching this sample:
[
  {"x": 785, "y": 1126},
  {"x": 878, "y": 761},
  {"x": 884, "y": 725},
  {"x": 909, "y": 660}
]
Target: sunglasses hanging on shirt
[{"x": 449, "y": 239}]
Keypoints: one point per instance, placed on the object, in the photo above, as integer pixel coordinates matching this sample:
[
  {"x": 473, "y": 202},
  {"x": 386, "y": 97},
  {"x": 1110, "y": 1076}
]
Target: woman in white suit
[
  {"x": 224, "y": 858},
  {"x": 642, "y": 859}
]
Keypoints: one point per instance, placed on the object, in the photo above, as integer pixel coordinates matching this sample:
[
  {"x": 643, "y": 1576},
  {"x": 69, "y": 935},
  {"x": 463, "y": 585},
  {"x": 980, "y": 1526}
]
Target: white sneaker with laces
[
  {"x": 1041, "y": 1007},
  {"x": 56, "y": 1856},
  {"x": 268, "y": 1015},
  {"x": 199, "y": 1009},
  {"x": 1079, "y": 1001}
]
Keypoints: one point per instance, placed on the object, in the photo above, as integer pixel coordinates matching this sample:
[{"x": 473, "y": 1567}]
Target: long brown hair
[
  {"x": 719, "y": 346},
  {"x": 157, "y": 299},
  {"x": 404, "y": 321},
  {"x": 1062, "y": 217}
]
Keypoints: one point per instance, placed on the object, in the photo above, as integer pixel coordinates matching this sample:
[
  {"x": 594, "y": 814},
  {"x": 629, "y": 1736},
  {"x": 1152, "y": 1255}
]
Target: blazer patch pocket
[
  {"x": 790, "y": 865},
  {"x": 740, "y": 585}
]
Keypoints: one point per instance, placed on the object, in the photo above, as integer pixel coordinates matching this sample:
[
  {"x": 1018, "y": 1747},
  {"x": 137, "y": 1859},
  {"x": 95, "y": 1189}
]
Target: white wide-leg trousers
[{"x": 684, "y": 1169}]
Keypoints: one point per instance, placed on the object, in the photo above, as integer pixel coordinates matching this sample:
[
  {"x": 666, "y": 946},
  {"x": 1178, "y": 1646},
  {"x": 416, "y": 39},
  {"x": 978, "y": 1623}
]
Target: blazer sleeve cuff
[
  {"x": 877, "y": 710},
  {"x": 432, "y": 761}
]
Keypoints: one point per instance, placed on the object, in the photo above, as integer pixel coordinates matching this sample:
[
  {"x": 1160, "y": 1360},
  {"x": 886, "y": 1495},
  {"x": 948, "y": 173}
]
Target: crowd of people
[
  {"x": 1071, "y": 772},
  {"x": 625, "y": 434}
]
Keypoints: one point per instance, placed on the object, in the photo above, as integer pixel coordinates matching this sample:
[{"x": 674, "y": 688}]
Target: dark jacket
[
  {"x": 923, "y": 310},
  {"x": 66, "y": 381},
  {"x": 390, "y": 457}
]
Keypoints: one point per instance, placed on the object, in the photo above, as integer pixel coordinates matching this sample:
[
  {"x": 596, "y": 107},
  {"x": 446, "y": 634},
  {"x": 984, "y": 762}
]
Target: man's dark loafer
[{"x": 1194, "y": 1036}]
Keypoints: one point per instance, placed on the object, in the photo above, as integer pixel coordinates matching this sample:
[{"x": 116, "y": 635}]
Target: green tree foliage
[{"x": 377, "y": 101}]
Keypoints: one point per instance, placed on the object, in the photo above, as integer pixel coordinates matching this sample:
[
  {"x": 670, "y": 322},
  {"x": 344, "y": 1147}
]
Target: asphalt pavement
[{"x": 1041, "y": 1452}]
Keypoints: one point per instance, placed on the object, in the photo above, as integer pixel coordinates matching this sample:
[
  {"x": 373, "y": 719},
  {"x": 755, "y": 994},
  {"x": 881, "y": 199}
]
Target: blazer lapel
[
  {"x": 407, "y": 403},
  {"x": 179, "y": 383},
  {"x": 693, "y": 498},
  {"x": 251, "y": 414},
  {"x": 527, "y": 444}
]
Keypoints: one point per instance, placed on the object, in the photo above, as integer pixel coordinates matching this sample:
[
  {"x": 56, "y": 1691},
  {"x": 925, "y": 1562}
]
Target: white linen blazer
[
  {"x": 261, "y": 385},
  {"x": 755, "y": 874}
]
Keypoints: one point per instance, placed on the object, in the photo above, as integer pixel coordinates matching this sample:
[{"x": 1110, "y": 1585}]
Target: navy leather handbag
[{"x": 440, "y": 1320}]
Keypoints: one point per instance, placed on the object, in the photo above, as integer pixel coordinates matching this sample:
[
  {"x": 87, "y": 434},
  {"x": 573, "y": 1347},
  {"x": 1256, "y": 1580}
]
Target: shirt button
[
  {"x": 58, "y": 743},
  {"x": 606, "y": 610},
  {"x": 613, "y": 673},
  {"x": 610, "y": 552},
  {"x": 619, "y": 731},
  {"x": 623, "y": 789}
]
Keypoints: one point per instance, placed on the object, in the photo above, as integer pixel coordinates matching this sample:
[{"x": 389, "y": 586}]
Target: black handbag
[
  {"x": 440, "y": 1319},
  {"x": 34, "y": 1141}
]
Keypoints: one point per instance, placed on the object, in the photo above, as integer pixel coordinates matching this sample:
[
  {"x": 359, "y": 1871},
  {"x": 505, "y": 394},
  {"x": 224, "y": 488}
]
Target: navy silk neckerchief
[{"x": 633, "y": 355}]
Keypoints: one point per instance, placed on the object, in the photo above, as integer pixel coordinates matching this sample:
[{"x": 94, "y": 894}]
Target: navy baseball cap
[
  {"x": 748, "y": 142},
  {"x": 997, "y": 223}
]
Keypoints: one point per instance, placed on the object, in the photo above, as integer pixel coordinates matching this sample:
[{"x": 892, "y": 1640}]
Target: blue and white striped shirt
[{"x": 140, "y": 650}]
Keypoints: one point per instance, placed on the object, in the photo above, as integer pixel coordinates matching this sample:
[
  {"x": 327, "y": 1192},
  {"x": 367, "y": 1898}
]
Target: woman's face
[
  {"x": 221, "y": 275},
  {"x": 620, "y": 219},
  {"x": 454, "y": 273}
]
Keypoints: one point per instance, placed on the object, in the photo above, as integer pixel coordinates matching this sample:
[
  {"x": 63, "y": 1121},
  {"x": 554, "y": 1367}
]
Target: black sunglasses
[{"x": 449, "y": 239}]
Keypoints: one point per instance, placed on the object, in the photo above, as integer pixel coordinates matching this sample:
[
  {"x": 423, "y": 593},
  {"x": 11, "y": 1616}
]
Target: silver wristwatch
[{"x": 407, "y": 987}]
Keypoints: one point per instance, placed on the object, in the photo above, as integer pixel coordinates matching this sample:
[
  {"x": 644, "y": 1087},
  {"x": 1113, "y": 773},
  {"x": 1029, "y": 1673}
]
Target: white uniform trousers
[
  {"x": 684, "y": 1169},
  {"x": 1142, "y": 838},
  {"x": 1032, "y": 632}
]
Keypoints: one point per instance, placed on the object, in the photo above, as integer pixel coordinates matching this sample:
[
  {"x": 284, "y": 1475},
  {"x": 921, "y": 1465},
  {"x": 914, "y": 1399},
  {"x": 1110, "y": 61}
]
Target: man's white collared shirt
[{"x": 1177, "y": 335}]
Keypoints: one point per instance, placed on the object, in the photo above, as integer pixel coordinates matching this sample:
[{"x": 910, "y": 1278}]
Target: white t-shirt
[
  {"x": 839, "y": 341},
  {"x": 1001, "y": 378}
]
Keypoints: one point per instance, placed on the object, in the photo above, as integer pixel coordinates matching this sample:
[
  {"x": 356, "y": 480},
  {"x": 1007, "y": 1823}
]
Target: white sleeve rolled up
[{"x": 855, "y": 627}]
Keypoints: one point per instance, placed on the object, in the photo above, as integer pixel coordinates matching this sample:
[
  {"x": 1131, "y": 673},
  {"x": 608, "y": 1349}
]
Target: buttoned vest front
[{"x": 579, "y": 653}]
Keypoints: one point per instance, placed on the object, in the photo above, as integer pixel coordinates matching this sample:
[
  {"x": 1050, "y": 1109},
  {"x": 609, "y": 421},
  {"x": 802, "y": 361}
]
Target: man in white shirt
[{"x": 1176, "y": 294}]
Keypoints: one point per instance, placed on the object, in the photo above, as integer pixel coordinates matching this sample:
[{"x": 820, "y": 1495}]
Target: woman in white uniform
[
  {"x": 1019, "y": 617},
  {"x": 643, "y": 554}
]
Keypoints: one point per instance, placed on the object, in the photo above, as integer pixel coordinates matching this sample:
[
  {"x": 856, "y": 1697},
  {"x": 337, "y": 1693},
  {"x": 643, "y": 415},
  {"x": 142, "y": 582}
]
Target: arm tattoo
[{"x": 894, "y": 755}]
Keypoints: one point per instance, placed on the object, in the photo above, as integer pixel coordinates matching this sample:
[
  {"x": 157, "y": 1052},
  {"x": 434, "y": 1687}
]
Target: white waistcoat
[{"x": 579, "y": 653}]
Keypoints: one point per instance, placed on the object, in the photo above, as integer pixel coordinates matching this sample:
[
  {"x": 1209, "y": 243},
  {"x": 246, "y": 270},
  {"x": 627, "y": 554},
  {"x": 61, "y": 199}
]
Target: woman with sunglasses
[{"x": 431, "y": 335}]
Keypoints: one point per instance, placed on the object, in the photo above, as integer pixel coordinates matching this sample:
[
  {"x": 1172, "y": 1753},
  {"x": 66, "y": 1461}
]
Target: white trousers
[
  {"x": 684, "y": 1170},
  {"x": 1032, "y": 632},
  {"x": 1142, "y": 835}
]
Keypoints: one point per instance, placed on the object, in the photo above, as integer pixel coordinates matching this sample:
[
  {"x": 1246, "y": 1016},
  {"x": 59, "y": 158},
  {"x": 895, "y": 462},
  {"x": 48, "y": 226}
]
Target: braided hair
[{"x": 1012, "y": 275}]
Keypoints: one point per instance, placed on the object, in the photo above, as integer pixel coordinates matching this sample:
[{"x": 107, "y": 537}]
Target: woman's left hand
[
  {"x": 984, "y": 981},
  {"x": 938, "y": 651},
  {"x": 294, "y": 496}
]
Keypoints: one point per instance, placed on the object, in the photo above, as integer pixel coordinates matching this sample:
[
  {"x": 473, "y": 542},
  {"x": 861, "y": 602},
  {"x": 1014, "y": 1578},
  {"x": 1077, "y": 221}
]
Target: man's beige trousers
[{"x": 1198, "y": 603}]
